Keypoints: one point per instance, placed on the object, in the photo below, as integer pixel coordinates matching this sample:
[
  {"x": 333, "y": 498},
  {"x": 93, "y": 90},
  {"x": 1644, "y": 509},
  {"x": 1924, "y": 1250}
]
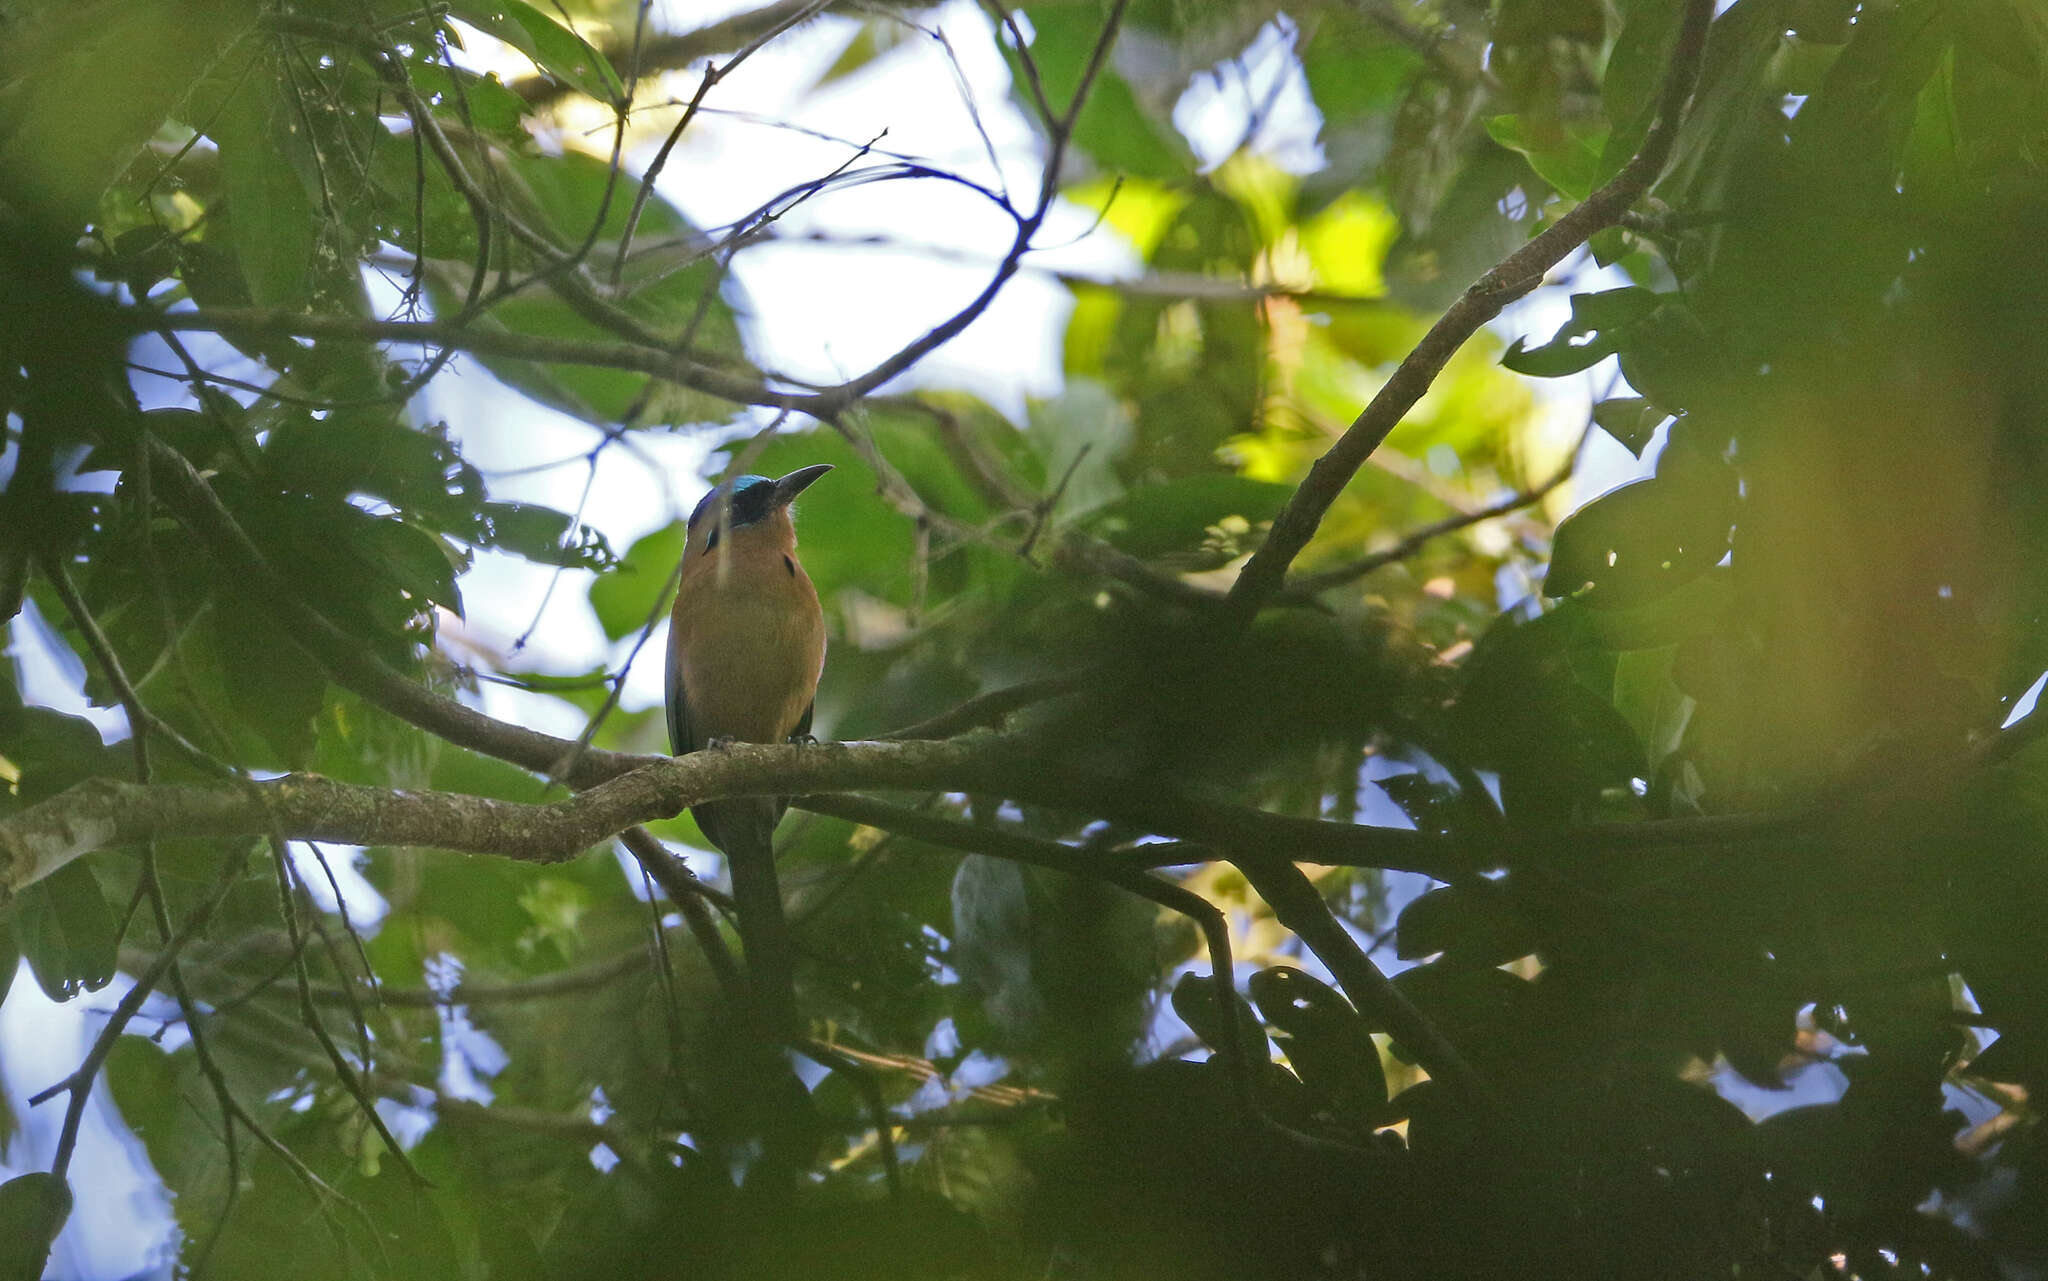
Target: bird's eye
[{"x": 711, "y": 539}]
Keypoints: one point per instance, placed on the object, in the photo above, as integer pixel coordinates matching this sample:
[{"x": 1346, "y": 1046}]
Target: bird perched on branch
[{"x": 746, "y": 646}]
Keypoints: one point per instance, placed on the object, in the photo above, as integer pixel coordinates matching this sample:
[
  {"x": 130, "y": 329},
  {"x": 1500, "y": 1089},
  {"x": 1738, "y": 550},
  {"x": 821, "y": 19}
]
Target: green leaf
[
  {"x": 544, "y": 536},
  {"x": 1353, "y": 67},
  {"x": 874, "y": 38},
  {"x": 1114, "y": 129},
  {"x": 67, "y": 932},
  {"x": 664, "y": 285},
  {"x": 554, "y": 48},
  {"x": 1082, "y": 434},
  {"x": 625, "y": 597},
  {"x": 87, "y": 84},
  {"x": 1636, "y": 67},
  {"x": 1564, "y": 154},
  {"x": 361, "y": 451},
  {"x": 1536, "y": 707},
  {"x": 1651, "y": 702},
  {"x": 33, "y": 1208},
  {"x": 1470, "y": 924},
  {"x": 273, "y": 687},
  {"x": 491, "y": 107},
  {"x": 1632, "y": 420},
  {"x": 1194, "y": 1001},
  {"x": 1699, "y": 606},
  {"x": 10, "y": 964},
  {"x": 1633, "y": 544},
  {"x": 1600, "y": 322},
  {"x": 50, "y": 751},
  {"x": 416, "y": 561},
  {"x": 1325, "y": 1041},
  {"x": 273, "y": 224},
  {"x": 1176, "y": 517},
  {"x": 1487, "y": 1013},
  {"x": 1645, "y": 538},
  {"x": 472, "y": 774}
]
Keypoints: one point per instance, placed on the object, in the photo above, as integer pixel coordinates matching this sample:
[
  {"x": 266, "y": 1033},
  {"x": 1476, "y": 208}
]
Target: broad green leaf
[
  {"x": 1326, "y": 1042},
  {"x": 10, "y": 964},
  {"x": 1536, "y": 706},
  {"x": 1485, "y": 1012},
  {"x": 1653, "y": 705},
  {"x": 1114, "y": 129},
  {"x": 67, "y": 932},
  {"x": 1138, "y": 209},
  {"x": 1354, "y": 67},
  {"x": 1640, "y": 540},
  {"x": 86, "y": 86},
  {"x": 543, "y": 535},
  {"x": 277, "y": 696},
  {"x": 369, "y": 451},
  {"x": 567, "y": 190},
  {"x": 1691, "y": 609},
  {"x": 1636, "y": 67},
  {"x": 554, "y": 48},
  {"x": 1175, "y": 518},
  {"x": 627, "y": 595},
  {"x": 479, "y": 102},
  {"x": 1632, "y": 420},
  {"x": 46, "y": 752},
  {"x": 1473, "y": 925},
  {"x": 1566, "y": 155},
  {"x": 873, "y": 39},
  {"x": 415, "y": 561},
  {"x": 1599, "y": 324},
  {"x": 1194, "y": 1001},
  {"x": 33, "y": 1208},
  {"x": 1082, "y": 435},
  {"x": 663, "y": 287},
  {"x": 460, "y": 770},
  {"x": 274, "y": 223}
]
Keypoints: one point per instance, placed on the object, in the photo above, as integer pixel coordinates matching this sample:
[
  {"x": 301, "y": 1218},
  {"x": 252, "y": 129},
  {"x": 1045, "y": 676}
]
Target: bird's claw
[
  {"x": 803, "y": 740},
  {"x": 719, "y": 742}
]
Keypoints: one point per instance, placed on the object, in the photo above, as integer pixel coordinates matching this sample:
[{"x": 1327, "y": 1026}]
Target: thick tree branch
[
  {"x": 1515, "y": 275},
  {"x": 102, "y": 812}
]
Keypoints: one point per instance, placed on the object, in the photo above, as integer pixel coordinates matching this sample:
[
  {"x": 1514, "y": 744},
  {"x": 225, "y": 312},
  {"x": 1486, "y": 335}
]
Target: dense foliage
[{"x": 1697, "y": 795}]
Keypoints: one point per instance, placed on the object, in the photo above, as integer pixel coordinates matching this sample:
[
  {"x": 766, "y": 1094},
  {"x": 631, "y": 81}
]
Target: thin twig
[
  {"x": 1301, "y": 588},
  {"x": 1266, "y": 572}
]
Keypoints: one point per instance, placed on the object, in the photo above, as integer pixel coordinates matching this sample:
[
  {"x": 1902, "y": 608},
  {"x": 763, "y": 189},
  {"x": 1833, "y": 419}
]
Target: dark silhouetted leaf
[
  {"x": 1632, "y": 420},
  {"x": 1599, "y": 324},
  {"x": 1469, "y": 924}
]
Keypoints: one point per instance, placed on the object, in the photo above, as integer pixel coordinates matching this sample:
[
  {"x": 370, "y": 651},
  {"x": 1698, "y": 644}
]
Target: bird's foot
[
  {"x": 719, "y": 742},
  {"x": 803, "y": 740}
]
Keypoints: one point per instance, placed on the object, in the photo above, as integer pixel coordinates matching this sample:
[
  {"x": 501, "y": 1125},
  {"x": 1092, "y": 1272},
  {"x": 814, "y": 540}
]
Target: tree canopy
[{"x": 1640, "y": 883}]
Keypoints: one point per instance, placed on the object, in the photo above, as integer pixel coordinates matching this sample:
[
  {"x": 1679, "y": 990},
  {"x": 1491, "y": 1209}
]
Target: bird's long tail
[{"x": 745, "y": 830}]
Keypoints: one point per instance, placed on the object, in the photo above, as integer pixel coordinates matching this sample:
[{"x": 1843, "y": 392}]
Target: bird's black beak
[{"x": 797, "y": 482}]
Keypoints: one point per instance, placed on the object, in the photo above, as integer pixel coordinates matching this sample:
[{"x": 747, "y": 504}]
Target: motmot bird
[{"x": 745, "y": 649}]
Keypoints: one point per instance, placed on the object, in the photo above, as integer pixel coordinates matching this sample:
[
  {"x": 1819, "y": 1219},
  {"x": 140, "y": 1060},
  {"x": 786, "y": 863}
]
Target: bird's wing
[
  {"x": 680, "y": 739},
  {"x": 803, "y": 723}
]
